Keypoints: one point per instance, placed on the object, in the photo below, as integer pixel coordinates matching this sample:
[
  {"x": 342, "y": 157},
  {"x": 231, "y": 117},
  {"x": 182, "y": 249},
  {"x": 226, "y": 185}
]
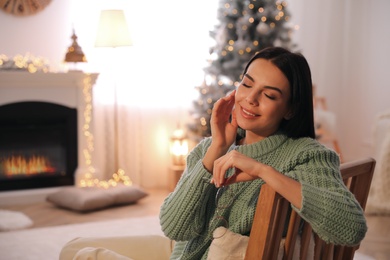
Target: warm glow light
[
  {"x": 88, "y": 179},
  {"x": 118, "y": 177},
  {"x": 27, "y": 165},
  {"x": 179, "y": 147},
  {"x": 190, "y": 48},
  {"x": 113, "y": 30},
  {"x": 26, "y": 62}
]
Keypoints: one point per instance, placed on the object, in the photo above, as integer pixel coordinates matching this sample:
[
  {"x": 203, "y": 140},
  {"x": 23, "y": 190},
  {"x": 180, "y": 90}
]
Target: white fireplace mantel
[
  {"x": 66, "y": 89},
  {"x": 61, "y": 88}
]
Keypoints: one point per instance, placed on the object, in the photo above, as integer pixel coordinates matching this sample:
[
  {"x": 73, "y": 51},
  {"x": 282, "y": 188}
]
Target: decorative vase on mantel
[{"x": 74, "y": 54}]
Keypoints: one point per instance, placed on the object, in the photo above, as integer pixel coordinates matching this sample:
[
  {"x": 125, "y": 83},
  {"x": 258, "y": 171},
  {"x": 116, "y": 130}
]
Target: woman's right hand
[{"x": 223, "y": 131}]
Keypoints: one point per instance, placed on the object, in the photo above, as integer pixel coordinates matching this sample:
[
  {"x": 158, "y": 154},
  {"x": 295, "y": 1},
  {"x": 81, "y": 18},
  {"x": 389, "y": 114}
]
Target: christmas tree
[{"x": 244, "y": 28}]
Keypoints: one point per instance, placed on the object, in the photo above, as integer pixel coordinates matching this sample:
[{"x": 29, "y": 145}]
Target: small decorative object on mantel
[
  {"x": 28, "y": 62},
  {"x": 75, "y": 53}
]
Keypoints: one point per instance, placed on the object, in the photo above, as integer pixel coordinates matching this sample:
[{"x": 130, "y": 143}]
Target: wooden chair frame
[{"x": 272, "y": 212}]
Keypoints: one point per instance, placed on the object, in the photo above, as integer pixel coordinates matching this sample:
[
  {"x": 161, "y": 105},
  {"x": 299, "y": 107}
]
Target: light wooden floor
[
  {"x": 376, "y": 243},
  {"x": 45, "y": 214}
]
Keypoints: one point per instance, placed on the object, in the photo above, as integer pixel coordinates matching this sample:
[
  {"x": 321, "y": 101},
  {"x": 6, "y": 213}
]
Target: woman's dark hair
[{"x": 296, "y": 69}]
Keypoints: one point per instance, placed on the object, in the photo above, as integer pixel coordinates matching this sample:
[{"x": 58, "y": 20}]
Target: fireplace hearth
[{"x": 38, "y": 145}]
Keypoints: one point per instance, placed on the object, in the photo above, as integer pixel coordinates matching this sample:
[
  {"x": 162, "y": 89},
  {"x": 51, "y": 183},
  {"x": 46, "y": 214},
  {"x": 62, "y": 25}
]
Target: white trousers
[{"x": 152, "y": 247}]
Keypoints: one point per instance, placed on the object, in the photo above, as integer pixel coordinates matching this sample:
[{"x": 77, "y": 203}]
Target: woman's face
[{"x": 262, "y": 99}]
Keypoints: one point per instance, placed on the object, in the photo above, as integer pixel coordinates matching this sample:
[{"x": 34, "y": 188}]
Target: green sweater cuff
[{"x": 319, "y": 209}]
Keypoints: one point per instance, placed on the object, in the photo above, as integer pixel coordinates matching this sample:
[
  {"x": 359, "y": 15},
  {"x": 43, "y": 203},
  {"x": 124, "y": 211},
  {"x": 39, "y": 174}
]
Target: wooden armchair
[{"x": 271, "y": 213}]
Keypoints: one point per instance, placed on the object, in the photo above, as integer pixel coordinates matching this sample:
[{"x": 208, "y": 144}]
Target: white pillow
[{"x": 13, "y": 220}]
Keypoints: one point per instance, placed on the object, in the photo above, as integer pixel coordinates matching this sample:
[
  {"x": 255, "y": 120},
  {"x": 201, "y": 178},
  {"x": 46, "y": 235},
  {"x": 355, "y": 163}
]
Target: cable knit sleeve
[
  {"x": 183, "y": 213},
  {"x": 327, "y": 204}
]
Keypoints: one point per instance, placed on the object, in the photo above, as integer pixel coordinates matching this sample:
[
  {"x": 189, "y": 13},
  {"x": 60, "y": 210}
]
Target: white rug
[
  {"x": 12, "y": 220},
  {"x": 46, "y": 243}
]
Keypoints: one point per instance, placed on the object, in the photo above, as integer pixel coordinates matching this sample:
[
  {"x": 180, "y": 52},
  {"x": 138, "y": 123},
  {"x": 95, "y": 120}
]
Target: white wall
[
  {"x": 346, "y": 43},
  {"x": 46, "y": 34}
]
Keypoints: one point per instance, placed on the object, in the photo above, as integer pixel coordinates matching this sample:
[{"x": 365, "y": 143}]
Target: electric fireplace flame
[
  {"x": 18, "y": 164},
  {"x": 38, "y": 145}
]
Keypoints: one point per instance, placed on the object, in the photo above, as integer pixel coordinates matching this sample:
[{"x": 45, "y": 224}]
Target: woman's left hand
[{"x": 246, "y": 169}]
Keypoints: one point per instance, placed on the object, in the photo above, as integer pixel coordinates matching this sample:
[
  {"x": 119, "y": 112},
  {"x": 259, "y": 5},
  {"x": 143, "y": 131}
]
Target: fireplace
[
  {"x": 38, "y": 145},
  {"x": 62, "y": 104}
]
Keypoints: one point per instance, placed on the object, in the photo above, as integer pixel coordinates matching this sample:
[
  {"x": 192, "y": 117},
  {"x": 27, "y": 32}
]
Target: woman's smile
[{"x": 248, "y": 114}]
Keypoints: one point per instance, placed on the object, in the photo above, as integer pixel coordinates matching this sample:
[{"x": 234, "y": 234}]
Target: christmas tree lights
[{"x": 245, "y": 27}]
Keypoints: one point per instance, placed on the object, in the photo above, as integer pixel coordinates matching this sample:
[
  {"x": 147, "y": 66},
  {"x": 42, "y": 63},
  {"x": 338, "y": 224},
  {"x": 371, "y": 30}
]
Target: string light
[
  {"x": 27, "y": 62},
  {"x": 88, "y": 179}
]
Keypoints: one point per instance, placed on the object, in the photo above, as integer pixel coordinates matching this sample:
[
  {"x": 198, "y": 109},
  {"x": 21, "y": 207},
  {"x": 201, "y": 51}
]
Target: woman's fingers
[
  {"x": 221, "y": 165},
  {"x": 238, "y": 177},
  {"x": 239, "y": 162},
  {"x": 226, "y": 103}
]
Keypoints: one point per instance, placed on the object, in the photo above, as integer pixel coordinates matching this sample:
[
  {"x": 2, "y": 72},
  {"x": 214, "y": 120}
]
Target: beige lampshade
[{"x": 112, "y": 30}]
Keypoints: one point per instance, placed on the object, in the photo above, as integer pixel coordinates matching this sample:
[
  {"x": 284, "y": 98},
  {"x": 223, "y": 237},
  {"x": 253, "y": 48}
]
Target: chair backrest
[{"x": 265, "y": 240}]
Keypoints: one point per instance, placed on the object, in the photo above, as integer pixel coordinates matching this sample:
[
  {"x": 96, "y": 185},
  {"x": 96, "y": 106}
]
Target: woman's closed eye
[
  {"x": 246, "y": 85},
  {"x": 270, "y": 96}
]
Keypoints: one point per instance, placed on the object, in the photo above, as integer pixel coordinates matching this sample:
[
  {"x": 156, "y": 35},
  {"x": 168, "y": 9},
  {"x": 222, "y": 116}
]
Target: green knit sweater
[{"x": 189, "y": 216}]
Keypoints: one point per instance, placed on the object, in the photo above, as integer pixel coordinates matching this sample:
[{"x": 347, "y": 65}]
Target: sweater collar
[{"x": 262, "y": 147}]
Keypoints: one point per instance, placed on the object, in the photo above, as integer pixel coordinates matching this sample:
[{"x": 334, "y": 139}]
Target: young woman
[{"x": 263, "y": 132}]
